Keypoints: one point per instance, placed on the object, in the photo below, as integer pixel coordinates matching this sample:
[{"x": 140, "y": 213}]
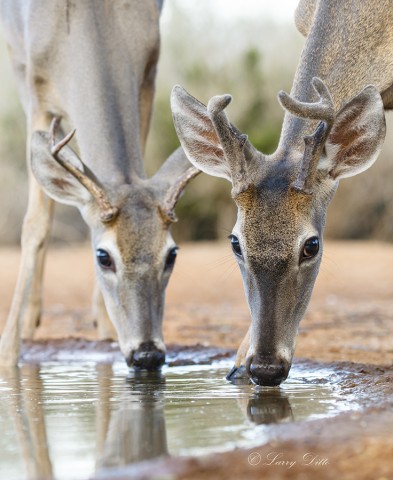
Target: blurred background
[{"x": 247, "y": 48}]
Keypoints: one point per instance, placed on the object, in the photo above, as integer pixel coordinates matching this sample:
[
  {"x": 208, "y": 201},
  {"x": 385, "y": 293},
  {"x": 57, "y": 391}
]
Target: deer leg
[
  {"x": 32, "y": 315},
  {"x": 239, "y": 369},
  {"x": 26, "y": 302},
  {"x": 35, "y": 236},
  {"x": 35, "y": 422},
  {"x": 103, "y": 409},
  {"x": 106, "y": 330}
]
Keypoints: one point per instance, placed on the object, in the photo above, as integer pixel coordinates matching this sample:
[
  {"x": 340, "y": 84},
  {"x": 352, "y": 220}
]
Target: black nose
[
  {"x": 267, "y": 371},
  {"x": 146, "y": 357}
]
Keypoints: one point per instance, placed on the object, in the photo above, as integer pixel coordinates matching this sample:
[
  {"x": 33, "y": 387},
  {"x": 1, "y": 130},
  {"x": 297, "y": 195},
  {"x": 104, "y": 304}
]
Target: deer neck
[
  {"x": 349, "y": 52},
  {"x": 101, "y": 83}
]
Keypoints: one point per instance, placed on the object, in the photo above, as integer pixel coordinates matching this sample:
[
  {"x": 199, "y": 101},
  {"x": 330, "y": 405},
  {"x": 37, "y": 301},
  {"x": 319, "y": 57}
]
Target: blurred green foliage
[
  {"x": 208, "y": 58},
  {"x": 208, "y": 55}
]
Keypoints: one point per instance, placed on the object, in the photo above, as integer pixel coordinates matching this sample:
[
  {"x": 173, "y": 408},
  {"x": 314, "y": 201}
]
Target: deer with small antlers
[
  {"x": 93, "y": 64},
  {"x": 330, "y": 131}
]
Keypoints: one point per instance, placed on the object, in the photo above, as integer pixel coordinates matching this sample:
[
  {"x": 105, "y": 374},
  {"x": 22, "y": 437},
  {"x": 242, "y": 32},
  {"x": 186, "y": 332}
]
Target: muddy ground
[{"x": 350, "y": 318}]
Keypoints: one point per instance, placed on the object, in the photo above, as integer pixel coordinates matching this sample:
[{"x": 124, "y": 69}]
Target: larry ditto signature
[{"x": 278, "y": 459}]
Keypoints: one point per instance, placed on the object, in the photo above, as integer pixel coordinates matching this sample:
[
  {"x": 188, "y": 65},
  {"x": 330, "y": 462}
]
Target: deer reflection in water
[
  {"x": 269, "y": 407},
  {"x": 25, "y": 409},
  {"x": 130, "y": 427},
  {"x": 124, "y": 417},
  {"x": 135, "y": 430}
]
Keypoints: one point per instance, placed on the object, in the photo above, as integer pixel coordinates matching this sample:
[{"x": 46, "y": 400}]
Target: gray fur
[
  {"x": 93, "y": 63},
  {"x": 349, "y": 45}
]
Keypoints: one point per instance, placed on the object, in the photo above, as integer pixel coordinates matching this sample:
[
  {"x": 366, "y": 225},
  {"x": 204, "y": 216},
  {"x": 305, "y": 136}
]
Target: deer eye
[
  {"x": 104, "y": 259},
  {"x": 171, "y": 258},
  {"x": 235, "y": 245},
  {"x": 310, "y": 249}
]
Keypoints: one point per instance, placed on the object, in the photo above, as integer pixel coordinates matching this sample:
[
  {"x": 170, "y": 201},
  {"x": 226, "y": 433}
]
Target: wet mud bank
[
  {"x": 348, "y": 447},
  {"x": 106, "y": 351},
  {"x": 357, "y": 443}
]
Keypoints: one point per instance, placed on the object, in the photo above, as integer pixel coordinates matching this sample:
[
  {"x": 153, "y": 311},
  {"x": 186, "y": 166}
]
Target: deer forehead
[
  {"x": 138, "y": 233},
  {"x": 272, "y": 198},
  {"x": 274, "y": 220},
  {"x": 141, "y": 233}
]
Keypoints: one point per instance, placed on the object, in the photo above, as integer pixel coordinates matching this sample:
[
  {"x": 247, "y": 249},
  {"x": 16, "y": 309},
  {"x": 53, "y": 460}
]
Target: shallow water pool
[{"x": 72, "y": 421}]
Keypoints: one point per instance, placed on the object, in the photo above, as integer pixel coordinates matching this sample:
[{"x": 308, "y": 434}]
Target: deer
[
  {"x": 333, "y": 128},
  {"x": 92, "y": 66}
]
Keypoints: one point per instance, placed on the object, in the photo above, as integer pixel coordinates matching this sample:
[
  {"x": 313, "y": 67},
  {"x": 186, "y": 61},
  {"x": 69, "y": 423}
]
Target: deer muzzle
[
  {"x": 275, "y": 319},
  {"x": 267, "y": 371},
  {"x": 146, "y": 357}
]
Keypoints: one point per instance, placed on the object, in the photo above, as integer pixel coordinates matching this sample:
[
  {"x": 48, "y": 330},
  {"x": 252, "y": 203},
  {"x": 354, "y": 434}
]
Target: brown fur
[{"x": 349, "y": 46}]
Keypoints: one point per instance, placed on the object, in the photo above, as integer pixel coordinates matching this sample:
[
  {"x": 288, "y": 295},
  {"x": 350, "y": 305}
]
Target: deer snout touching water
[
  {"x": 93, "y": 63},
  {"x": 135, "y": 253},
  {"x": 282, "y": 201}
]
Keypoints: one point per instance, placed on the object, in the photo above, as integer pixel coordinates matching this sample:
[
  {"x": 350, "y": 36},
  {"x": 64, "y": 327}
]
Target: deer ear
[
  {"x": 171, "y": 181},
  {"x": 197, "y": 134},
  {"x": 53, "y": 178},
  {"x": 357, "y": 135}
]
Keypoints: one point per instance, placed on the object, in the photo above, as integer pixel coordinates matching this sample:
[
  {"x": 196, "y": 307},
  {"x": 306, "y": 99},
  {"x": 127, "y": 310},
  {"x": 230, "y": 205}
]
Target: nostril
[
  {"x": 268, "y": 373},
  {"x": 147, "y": 357},
  {"x": 148, "y": 360}
]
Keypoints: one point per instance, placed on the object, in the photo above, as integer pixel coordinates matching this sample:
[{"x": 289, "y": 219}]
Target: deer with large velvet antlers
[
  {"x": 93, "y": 64},
  {"x": 330, "y": 131}
]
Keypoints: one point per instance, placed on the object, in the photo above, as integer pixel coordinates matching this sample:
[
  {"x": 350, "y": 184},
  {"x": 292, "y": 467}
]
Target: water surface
[{"x": 71, "y": 421}]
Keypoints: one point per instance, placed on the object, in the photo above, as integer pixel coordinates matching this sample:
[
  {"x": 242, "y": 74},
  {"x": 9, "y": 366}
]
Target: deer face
[
  {"x": 277, "y": 242},
  {"x": 133, "y": 249},
  {"x": 134, "y": 258},
  {"x": 282, "y": 202}
]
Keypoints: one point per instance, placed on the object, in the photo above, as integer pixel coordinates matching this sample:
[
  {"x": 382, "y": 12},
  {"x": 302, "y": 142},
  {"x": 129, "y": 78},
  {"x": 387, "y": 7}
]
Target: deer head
[
  {"x": 282, "y": 201},
  {"x": 130, "y": 233}
]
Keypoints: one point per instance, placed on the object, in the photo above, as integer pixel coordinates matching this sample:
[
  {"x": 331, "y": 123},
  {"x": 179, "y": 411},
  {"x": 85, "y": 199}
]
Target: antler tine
[
  {"x": 56, "y": 147},
  {"x": 313, "y": 145},
  {"x": 232, "y": 141},
  {"x": 322, "y": 110},
  {"x": 225, "y": 131},
  {"x": 174, "y": 193},
  {"x": 108, "y": 212}
]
